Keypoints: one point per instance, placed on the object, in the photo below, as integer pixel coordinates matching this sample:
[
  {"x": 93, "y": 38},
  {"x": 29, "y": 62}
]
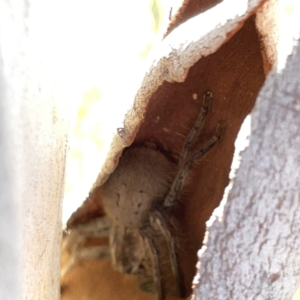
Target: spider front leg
[
  {"x": 189, "y": 156},
  {"x": 190, "y": 139},
  {"x": 156, "y": 218},
  {"x": 127, "y": 249},
  {"x": 147, "y": 235},
  {"x": 75, "y": 239}
]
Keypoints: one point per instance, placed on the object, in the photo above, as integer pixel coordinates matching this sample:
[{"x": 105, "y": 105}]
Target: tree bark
[
  {"x": 252, "y": 249},
  {"x": 35, "y": 113}
]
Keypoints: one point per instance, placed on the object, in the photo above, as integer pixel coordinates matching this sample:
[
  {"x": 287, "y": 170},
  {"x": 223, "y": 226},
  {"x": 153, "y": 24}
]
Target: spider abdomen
[{"x": 142, "y": 178}]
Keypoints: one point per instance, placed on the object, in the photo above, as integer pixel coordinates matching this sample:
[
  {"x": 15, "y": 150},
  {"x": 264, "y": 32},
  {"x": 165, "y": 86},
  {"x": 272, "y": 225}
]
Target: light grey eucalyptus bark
[
  {"x": 9, "y": 204},
  {"x": 252, "y": 250},
  {"x": 34, "y": 118}
]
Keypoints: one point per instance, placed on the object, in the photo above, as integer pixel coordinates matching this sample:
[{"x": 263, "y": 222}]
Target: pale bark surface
[
  {"x": 34, "y": 120},
  {"x": 267, "y": 23},
  {"x": 9, "y": 236},
  {"x": 252, "y": 250}
]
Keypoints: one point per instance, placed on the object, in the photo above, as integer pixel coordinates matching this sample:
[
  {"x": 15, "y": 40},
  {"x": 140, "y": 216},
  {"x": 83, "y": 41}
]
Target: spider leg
[
  {"x": 186, "y": 164},
  {"x": 219, "y": 132},
  {"x": 189, "y": 142},
  {"x": 75, "y": 239},
  {"x": 127, "y": 248},
  {"x": 157, "y": 218},
  {"x": 155, "y": 262}
]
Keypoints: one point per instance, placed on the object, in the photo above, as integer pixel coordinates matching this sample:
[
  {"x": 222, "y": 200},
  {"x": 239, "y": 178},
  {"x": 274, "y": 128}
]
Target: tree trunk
[
  {"x": 35, "y": 113},
  {"x": 252, "y": 248}
]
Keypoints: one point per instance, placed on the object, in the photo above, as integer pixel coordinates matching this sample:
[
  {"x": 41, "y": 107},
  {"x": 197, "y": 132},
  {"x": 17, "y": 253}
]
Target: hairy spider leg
[
  {"x": 186, "y": 165},
  {"x": 220, "y": 130},
  {"x": 74, "y": 241},
  {"x": 155, "y": 262},
  {"x": 190, "y": 140},
  {"x": 156, "y": 216}
]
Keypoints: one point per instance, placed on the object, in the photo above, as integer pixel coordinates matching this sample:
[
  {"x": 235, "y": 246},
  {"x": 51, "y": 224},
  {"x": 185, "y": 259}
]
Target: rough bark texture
[
  {"x": 252, "y": 250},
  {"x": 34, "y": 127}
]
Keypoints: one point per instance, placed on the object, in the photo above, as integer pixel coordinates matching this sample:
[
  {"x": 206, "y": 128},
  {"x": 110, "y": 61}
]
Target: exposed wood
[{"x": 267, "y": 23}]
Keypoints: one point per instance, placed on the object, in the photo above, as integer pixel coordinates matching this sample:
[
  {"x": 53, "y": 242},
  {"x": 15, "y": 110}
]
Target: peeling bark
[
  {"x": 171, "y": 63},
  {"x": 252, "y": 250}
]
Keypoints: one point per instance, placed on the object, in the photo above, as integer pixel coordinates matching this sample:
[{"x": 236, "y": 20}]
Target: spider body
[
  {"x": 140, "y": 182},
  {"x": 138, "y": 198},
  {"x": 131, "y": 196}
]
